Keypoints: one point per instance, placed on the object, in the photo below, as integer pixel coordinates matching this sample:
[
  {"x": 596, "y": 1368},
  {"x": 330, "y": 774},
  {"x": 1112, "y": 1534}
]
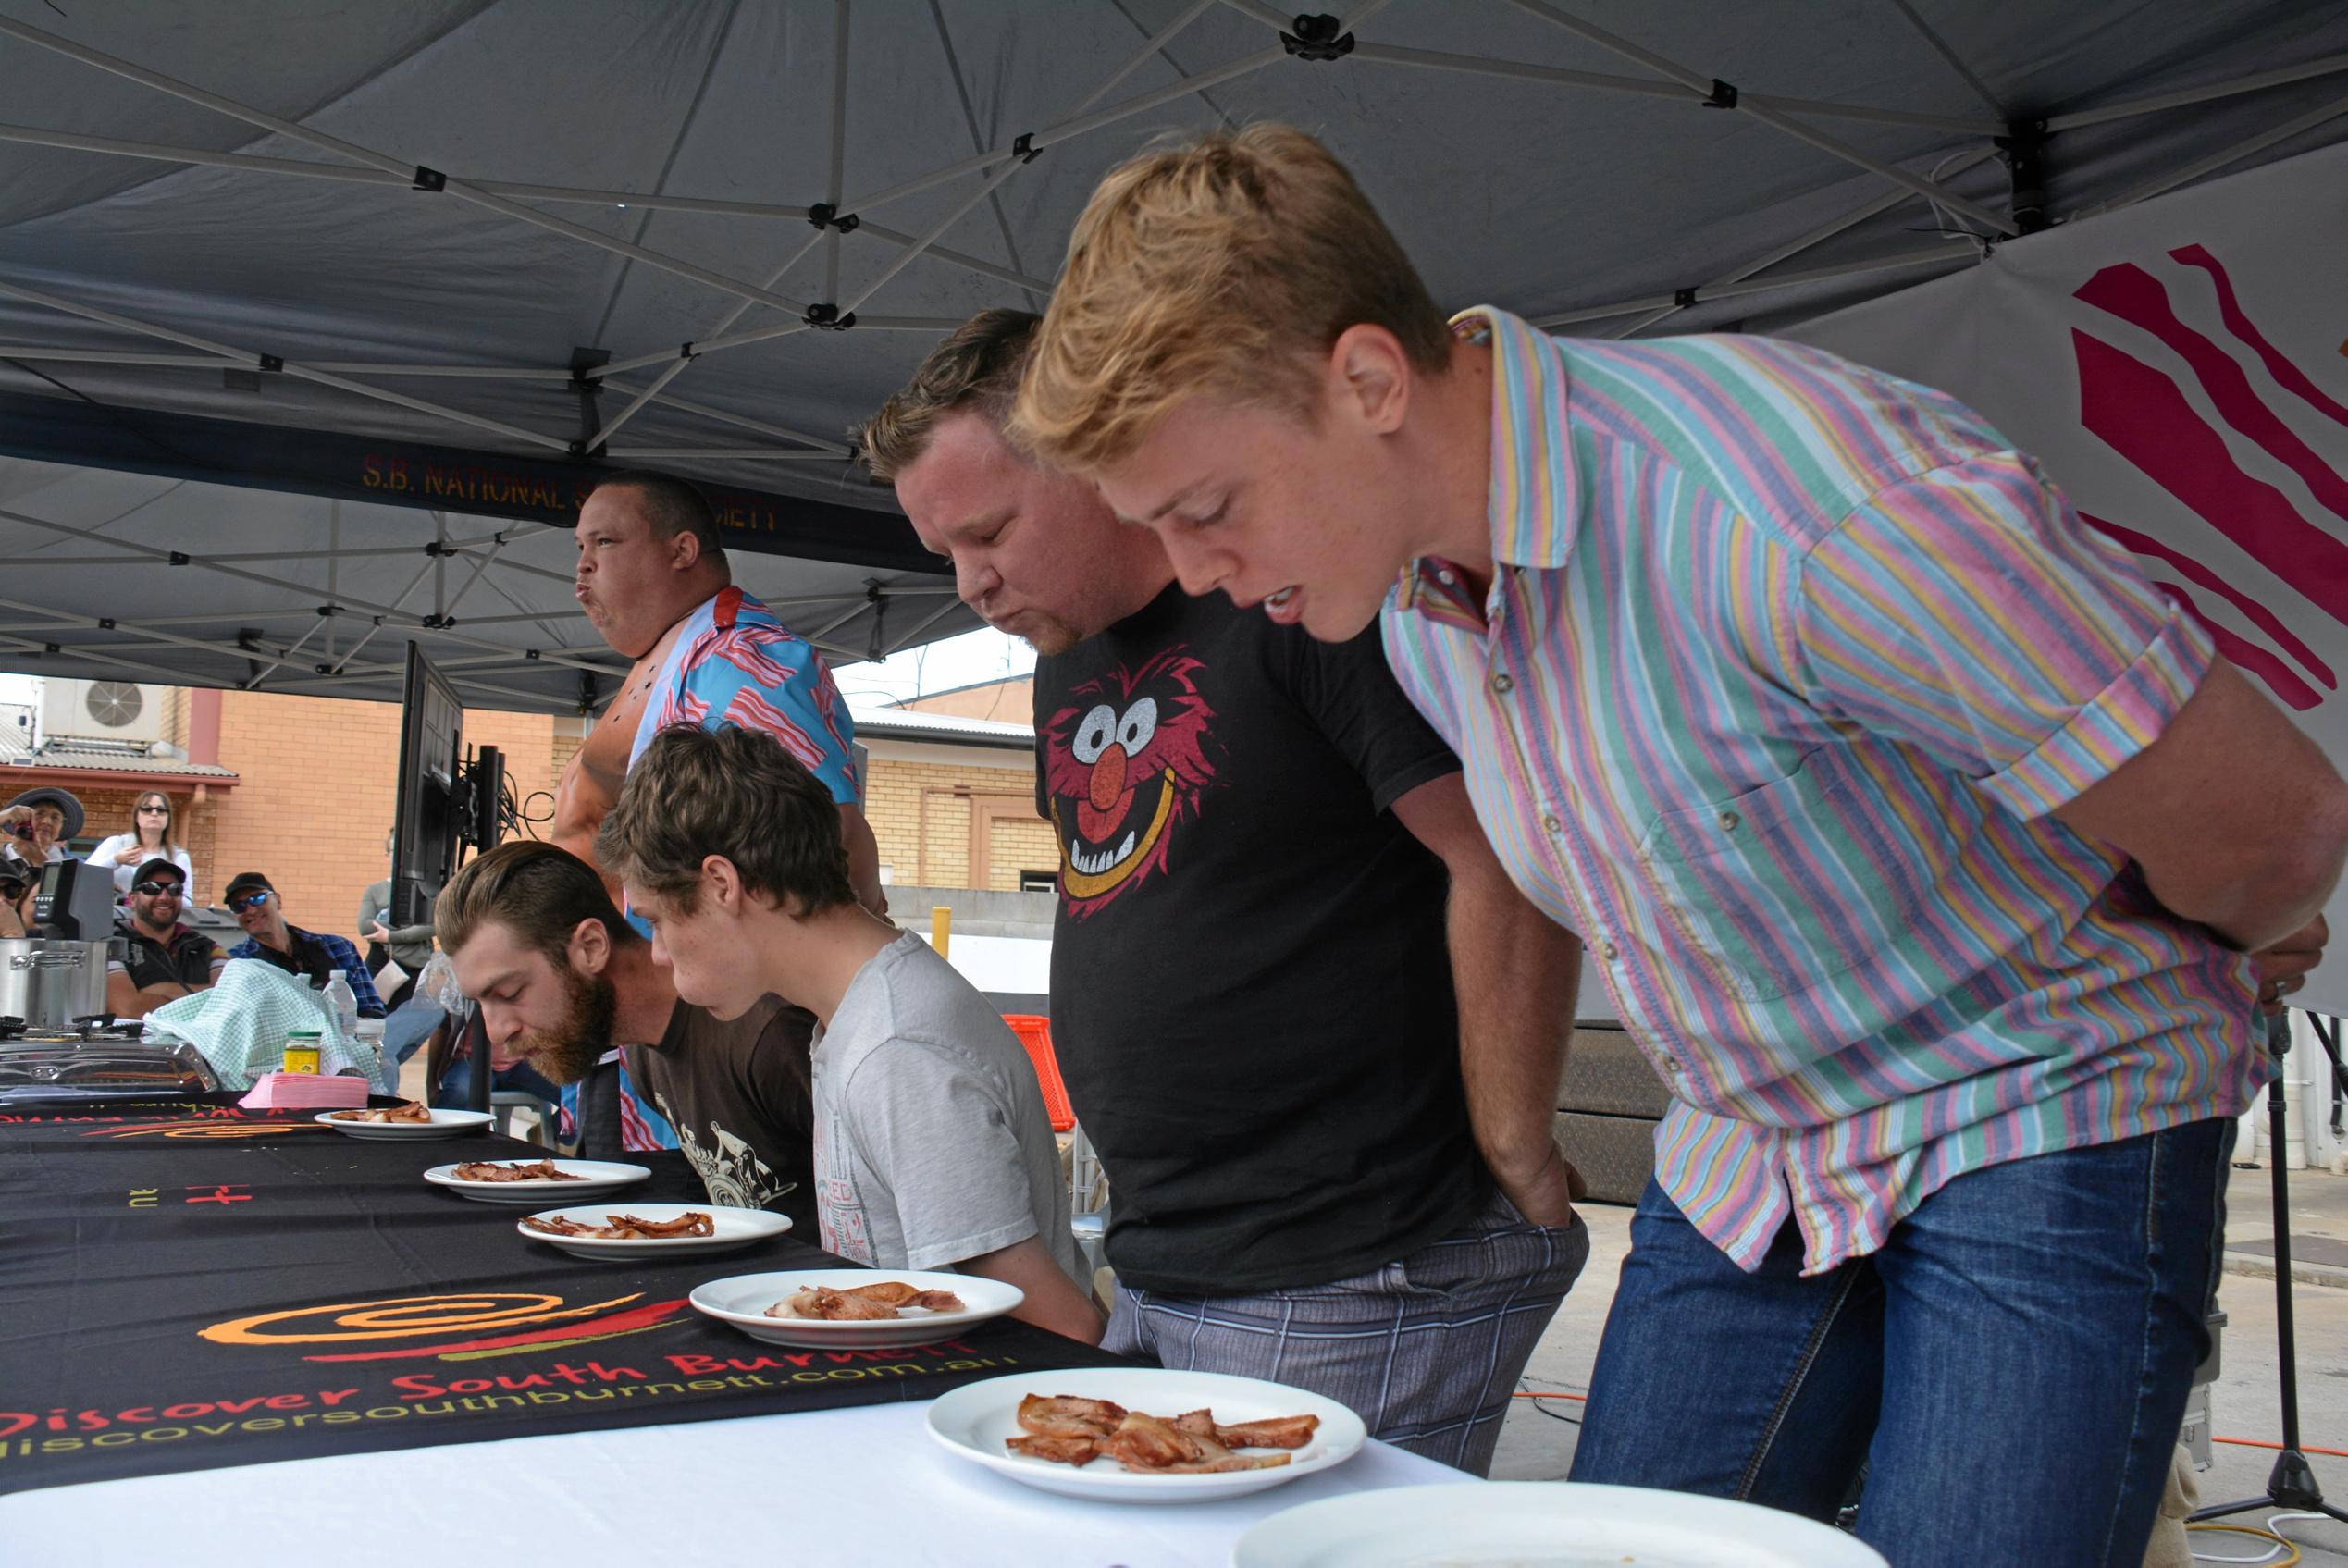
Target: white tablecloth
[{"x": 839, "y": 1489}]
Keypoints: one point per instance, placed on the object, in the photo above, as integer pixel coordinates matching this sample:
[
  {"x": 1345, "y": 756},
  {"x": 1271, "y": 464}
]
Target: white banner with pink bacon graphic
[{"x": 2180, "y": 368}]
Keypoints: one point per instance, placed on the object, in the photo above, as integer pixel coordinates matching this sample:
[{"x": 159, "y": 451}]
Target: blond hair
[
  {"x": 977, "y": 367},
  {"x": 1227, "y": 268}
]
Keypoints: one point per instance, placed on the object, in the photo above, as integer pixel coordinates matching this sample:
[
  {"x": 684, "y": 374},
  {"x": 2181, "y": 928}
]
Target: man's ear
[
  {"x": 685, "y": 549},
  {"x": 590, "y": 947},
  {"x": 1368, "y": 378},
  {"x": 722, "y": 886}
]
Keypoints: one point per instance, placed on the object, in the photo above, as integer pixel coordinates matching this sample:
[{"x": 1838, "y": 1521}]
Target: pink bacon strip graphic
[
  {"x": 2266, "y": 619},
  {"x": 2132, "y": 294},
  {"x": 2142, "y": 415},
  {"x": 2287, "y": 374}
]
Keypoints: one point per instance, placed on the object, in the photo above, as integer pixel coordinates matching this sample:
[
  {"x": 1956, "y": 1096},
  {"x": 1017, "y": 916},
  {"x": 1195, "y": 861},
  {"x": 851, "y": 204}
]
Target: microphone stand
[{"x": 2292, "y": 1483}]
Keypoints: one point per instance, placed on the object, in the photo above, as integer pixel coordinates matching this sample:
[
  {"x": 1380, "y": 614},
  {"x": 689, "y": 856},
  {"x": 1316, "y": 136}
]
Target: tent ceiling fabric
[{"x": 1552, "y": 156}]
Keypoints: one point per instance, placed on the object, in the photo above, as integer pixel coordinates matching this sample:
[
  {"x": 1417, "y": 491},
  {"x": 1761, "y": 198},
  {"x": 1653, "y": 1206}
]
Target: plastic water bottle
[{"x": 343, "y": 1002}]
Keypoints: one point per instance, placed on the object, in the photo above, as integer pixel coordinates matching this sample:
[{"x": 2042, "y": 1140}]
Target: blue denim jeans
[{"x": 2010, "y": 1368}]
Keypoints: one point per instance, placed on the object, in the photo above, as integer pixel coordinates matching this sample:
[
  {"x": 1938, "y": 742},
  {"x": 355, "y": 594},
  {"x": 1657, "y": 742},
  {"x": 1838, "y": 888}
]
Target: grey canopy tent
[{"x": 258, "y": 258}]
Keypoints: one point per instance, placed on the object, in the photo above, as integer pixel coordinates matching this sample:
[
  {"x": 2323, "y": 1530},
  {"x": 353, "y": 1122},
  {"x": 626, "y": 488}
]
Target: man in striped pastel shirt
[{"x": 1903, "y": 821}]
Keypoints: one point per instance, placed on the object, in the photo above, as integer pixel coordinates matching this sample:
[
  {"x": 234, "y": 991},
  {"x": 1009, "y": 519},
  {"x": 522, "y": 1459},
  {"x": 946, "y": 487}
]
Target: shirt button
[
  {"x": 1608, "y": 949},
  {"x": 1445, "y": 578},
  {"x": 1728, "y": 820},
  {"x": 1552, "y": 824},
  {"x": 1503, "y": 682},
  {"x": 1671, "y": 1064}
]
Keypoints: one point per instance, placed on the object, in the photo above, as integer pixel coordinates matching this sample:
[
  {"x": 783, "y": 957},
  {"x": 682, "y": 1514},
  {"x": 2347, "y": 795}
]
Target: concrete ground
[{"x": 2245, "y": 1402}]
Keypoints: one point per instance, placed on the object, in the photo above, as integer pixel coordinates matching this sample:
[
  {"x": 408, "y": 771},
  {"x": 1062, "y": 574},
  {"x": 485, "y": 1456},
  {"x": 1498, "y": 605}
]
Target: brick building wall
[
  {"x": 107, "y": 811},
  {"x": 317, "y": 790},
  {"x": 926, "y": 807}
]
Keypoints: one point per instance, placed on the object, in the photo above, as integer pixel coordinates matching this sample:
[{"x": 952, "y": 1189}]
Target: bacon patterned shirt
[
  {"x": 1784, "y": 664},
  {"x": 733, "y": 663}
]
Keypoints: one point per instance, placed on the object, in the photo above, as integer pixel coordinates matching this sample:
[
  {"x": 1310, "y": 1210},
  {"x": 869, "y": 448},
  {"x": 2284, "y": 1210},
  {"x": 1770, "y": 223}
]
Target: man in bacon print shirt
[
  {"x": 1904, "y": 821},
  {"x": 655, "y": 583}
]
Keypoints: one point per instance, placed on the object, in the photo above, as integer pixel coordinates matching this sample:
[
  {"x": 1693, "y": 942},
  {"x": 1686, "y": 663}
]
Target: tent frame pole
[{"x": 1730, "y": 98}]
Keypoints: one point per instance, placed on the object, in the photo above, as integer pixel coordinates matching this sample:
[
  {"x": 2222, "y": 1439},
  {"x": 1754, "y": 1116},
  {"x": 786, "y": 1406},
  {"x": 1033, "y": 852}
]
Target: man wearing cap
[
  {"x": 156, "y": 959},
  {"x": 304, "y": 955},
  {"x": 34, "y": 825}
]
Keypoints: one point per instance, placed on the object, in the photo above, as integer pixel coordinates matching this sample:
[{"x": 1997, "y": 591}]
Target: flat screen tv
[{"x": 445, "y": 800}]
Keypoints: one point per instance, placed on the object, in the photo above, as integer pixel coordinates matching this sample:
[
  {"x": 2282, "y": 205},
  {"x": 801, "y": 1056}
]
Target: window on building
[{"x": 1039, "y": 882}]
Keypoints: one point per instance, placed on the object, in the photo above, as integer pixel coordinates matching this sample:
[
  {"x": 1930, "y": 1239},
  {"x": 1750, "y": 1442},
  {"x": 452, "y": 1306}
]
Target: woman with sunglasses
[{"x": 150, "y": 835}]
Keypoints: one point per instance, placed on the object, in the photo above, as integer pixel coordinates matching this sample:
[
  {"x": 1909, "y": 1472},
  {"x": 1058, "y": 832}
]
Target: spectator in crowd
[
  {"x": 1319, "y": 1214},
  {"x": 656, "y": 584},
  {"x": 561, "y": 974},
  {"x": 306, "y": 955},
  {"x": 932, "y": 1146},
  {"x": 409, "y": 947},
  {"x": 154, "y": 831},
  {"x": 35, "y": 825},
  {"x": 18, "y": 884},
  {"x": 156, "y": 959}
]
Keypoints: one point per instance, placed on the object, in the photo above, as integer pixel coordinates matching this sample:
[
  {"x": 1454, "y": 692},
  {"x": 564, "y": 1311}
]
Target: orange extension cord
[{"x": 2244, "y": 1442}]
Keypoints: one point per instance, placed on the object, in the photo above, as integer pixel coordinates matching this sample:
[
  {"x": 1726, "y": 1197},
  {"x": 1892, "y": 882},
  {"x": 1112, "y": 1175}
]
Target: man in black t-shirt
[
  {"x": 1259, "y": 1019},
  {"x": 559, "y": 974}
]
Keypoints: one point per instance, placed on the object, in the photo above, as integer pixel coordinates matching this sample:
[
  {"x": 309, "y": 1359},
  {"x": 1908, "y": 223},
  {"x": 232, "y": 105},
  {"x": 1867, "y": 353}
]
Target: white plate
[
  {"x": 743, "y": 1299},
  {"x": 444, "y": 1124},
  {"x": 1542, "y": 1525},
  {"x": 596, "y": 1178},
  {"x": 973, "y": 1421},
  {"x": 735, "y": 1228}
]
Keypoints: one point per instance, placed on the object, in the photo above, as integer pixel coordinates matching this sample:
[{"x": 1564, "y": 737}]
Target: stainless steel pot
[{"x": 52, "y": 984}]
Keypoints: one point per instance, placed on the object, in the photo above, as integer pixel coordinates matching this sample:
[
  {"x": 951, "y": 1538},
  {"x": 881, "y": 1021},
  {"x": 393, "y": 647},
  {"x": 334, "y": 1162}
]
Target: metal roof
[{"x": 898, "y": 724}]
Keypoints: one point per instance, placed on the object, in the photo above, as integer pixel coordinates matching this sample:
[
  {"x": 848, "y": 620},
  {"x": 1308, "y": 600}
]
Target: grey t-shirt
[{"x": 932, "y": 1145}]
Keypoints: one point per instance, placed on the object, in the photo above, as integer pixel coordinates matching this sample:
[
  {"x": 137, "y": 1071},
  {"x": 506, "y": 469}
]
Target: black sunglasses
[
  {"x": 249, "y": 901},
  {"x": 150, "y": 889}
]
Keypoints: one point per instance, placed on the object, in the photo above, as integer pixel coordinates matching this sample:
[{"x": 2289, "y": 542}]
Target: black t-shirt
[
  {"x": 1252, "y": 997},
  {"x": 185, "y": 958},
  {"x": 737, "y": 1095}
]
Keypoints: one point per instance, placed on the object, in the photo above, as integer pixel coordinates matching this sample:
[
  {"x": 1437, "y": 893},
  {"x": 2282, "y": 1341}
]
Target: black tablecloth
[{"x": 184, "y": 1284}]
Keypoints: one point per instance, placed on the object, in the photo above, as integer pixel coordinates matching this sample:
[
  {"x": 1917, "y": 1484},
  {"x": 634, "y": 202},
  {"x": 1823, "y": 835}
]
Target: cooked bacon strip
[
  {"x": 1279, "y": 1432},
  {"x": 1228, "y": 1462},
  {"x": 628, "y": 1227},
  {"x": 888, "y": 1292},
  {"x": 1144, "y": 1442},
  {"x": 864, "y": 1304},
  {"x": 1189, "y": 1444},
  {"x": 826, "y": 1305},
  {"x": 533, "y": 1170},
  {"x": 1059, "y": 1450},
  {"x": 557, "y": 1226},
  {"x": 1066, "y": 1415},
  {"x": 692, "y": 1223},
  {"x": 406, "y": 1110}
]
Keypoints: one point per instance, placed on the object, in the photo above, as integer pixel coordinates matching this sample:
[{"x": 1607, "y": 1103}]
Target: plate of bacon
[
  {"x": 531, "y": 1181},
  {"x": 835, "y": 1308},
  {"x": 406, "y": 1120},
  {"x": 599, "y": 1230},
  {"x": 1119, "y": 1433}
]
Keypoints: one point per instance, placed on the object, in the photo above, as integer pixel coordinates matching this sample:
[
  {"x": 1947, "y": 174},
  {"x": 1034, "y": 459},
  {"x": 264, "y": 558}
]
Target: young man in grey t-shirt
[{"x": 931, "y": 1145}]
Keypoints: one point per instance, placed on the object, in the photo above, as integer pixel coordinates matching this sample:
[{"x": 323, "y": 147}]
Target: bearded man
[{"x": 561, "y": 976}]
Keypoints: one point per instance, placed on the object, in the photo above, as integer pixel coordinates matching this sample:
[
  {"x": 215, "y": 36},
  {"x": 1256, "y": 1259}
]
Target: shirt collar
[{"x": 1533, "y": 499}]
